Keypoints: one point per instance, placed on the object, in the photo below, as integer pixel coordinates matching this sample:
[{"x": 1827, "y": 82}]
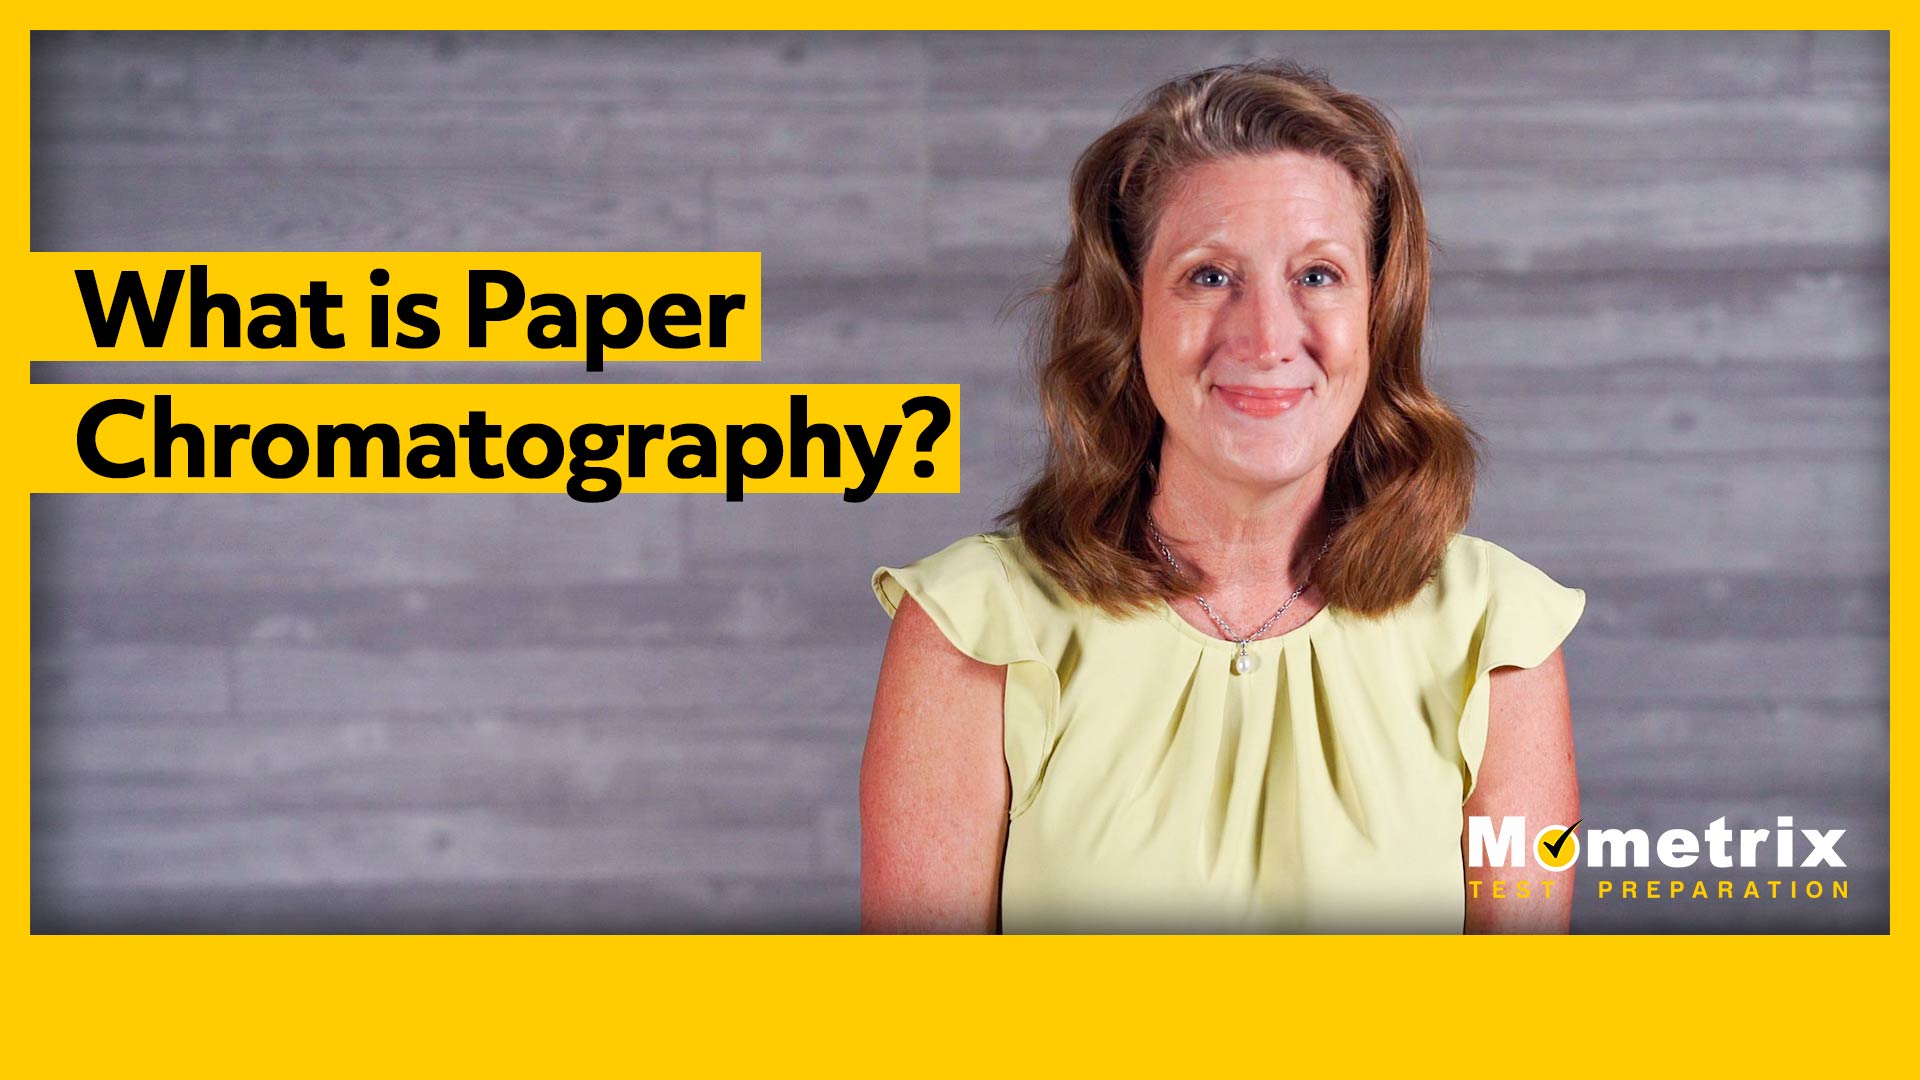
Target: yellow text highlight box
[
  {"x": 458, "y": 305},
  {"x": 593, "y": 442}
]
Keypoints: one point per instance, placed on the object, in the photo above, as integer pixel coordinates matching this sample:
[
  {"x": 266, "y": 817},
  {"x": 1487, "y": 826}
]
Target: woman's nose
[{"x": 1266, "y": 329}]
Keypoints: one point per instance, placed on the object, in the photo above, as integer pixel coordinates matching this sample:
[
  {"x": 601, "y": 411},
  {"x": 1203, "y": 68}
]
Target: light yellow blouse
[{"x": 1154, "y": 790}]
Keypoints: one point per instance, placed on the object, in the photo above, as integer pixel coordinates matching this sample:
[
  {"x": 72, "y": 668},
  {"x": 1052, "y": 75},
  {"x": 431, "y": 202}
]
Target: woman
[{"x": 1229, "y": 665}]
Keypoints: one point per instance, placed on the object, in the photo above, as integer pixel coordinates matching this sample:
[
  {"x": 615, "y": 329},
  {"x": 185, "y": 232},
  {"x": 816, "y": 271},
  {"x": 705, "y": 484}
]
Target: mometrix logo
[{"x": 1557, "y": 847}]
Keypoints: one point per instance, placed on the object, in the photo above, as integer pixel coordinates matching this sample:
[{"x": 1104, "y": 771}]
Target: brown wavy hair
[{"x": 1401, "y": 480}]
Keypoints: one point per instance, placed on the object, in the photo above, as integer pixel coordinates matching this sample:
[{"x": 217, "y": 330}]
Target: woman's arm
[
  {"x": 1526, "y": 771},
  {"x": 934, "y": 792}
]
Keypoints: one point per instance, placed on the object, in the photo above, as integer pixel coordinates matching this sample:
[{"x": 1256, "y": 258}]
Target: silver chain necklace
[{"x": 1243, "y": 661}]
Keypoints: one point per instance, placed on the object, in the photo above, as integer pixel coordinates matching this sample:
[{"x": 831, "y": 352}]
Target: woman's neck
[{"x": 1248, "y": 541}]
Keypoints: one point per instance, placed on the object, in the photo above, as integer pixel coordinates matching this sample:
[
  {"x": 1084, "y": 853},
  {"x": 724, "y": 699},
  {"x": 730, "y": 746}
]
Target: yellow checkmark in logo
[{"x": 1557, "y": 847}]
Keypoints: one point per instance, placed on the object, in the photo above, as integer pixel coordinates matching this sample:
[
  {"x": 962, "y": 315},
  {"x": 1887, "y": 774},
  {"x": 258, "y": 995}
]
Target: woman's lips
[{"x": 1261, "y": 401}]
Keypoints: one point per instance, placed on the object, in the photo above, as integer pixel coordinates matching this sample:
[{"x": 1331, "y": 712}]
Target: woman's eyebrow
[
  {"x": 1328, "y": 243},
  {"x": 1204, "y": 247},
  {"x": 1217, "y": 244}
]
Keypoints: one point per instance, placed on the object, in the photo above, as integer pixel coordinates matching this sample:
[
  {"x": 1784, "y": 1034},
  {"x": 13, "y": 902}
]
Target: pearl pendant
[{"x": 1243, "y": 661}]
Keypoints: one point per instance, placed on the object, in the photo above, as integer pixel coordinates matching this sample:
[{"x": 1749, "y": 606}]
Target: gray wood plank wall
[{"x": 1661, "y": 295}]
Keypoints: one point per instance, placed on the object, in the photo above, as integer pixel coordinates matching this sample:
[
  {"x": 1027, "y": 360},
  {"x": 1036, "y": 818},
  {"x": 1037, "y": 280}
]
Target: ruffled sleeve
[
  {"x": 1524, "y": 618},
  {"x": 970, "y": 593}
]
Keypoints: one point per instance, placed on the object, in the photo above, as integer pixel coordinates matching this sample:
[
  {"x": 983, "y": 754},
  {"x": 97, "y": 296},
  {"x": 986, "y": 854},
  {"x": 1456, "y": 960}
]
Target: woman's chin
[
  {"x": 1271, "y": 460},
  {"x": 1267, "y": 472}
]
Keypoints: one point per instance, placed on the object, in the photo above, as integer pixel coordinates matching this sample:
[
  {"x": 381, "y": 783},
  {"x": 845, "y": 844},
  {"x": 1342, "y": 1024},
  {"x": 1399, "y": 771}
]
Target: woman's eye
[
  {"x": 1320, "y": 277},
  {"x": 1210, "y": 277}
]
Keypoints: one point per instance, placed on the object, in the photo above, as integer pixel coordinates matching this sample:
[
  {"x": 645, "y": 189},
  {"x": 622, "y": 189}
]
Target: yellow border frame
[{"x": 1177, "y": 1005}]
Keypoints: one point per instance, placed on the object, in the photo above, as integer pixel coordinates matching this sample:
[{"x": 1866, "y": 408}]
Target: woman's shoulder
[
  {"x": 969, "y": 556},
  {"x": 983, "y": 589},
  {"x": 1479, "y": 566},
  {"x": 1481, "y": 588},
  {"x": 982, "y": 560},
  {"x": 1020, "y": 563}
]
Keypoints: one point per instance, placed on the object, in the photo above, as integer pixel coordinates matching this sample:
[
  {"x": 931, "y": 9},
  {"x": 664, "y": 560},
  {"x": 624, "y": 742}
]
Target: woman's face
[{"x": 1254, "y": 297}]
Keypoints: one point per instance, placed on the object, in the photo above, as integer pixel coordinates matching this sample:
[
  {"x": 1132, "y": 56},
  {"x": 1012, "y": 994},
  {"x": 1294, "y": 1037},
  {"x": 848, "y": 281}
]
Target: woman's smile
[{"x": 1261, "y": 401}]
